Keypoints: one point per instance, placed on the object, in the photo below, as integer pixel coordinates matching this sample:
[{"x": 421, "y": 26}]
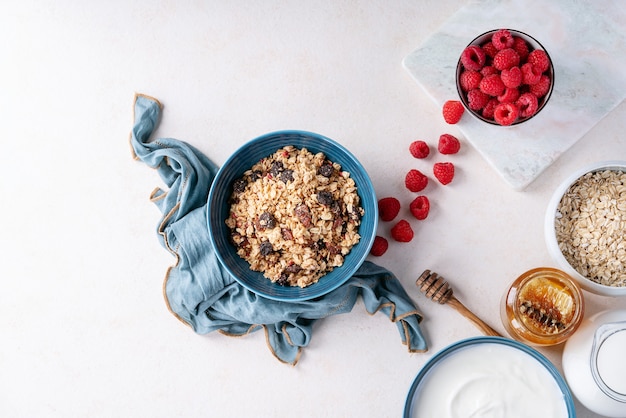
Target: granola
[{"x": 294, "y": 216}]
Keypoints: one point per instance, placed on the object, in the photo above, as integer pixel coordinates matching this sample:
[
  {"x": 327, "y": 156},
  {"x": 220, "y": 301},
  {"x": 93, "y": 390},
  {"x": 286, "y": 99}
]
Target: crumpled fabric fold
[{"x": 202, "y": 294}]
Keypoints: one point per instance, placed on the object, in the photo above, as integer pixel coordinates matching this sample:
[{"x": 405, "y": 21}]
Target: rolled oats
[{"x": 590, "y": 226}]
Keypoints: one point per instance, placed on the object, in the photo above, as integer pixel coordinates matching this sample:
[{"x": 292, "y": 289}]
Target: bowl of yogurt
[{"x": 489, "y": 377}]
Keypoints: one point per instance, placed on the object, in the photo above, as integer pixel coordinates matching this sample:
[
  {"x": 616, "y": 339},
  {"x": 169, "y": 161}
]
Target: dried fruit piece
[
  {"x": 380, "y": 246},
  {"x": 448, "y": 144},
  {"x": 303, "y": 213},
  {"x": 420, "y": 206},
  {"x": 266, "y": 248},
  {"x": 388, "y": 208},
  {"x": 402, "y": 231},
  {"x": 444, "y": 172},
  {"x": 266, "y": 221},
  {"x": 326, "y": 169},
  {"x": 286, "y": 176},
  {"x": 276, "y": 168},
  {"x": 239, "y": 185},
  {"x": 452, "y": 111},
  {"x": 419, "y": 149},
  {"x": 415, "y": 180},
  {"x": 325, "y": 197}
]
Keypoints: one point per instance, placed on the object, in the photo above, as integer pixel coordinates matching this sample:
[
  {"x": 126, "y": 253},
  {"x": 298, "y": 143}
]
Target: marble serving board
[{"x": 587, "y": 44}]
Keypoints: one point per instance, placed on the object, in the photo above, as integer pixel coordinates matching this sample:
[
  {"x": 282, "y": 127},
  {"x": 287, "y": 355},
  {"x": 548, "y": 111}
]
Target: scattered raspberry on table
[
  {"x": 415, "y": 180},
  {"x": 419, "y": 149},
  {"x": 444, "y": 172},
  {"x": 402, "y": 231},
  {"x": 380, "y": 246},
  {"x": 448, "y": 144},
  {"x": 420, "y": 206},
  {"x": 452, "y": 111},
  {"x": 388, "y": 208}
]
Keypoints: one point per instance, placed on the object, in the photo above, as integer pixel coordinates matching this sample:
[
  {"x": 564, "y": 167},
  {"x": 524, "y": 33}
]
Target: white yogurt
[{"x": 489, "y": 380}]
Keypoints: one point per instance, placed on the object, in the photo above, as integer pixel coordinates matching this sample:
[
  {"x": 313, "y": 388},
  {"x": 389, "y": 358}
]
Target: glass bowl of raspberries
[{"x": 504, "y": 77}]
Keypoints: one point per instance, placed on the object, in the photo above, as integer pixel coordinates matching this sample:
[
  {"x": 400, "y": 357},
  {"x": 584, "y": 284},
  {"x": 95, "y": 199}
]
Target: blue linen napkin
[{"x": 202, "y": 294}]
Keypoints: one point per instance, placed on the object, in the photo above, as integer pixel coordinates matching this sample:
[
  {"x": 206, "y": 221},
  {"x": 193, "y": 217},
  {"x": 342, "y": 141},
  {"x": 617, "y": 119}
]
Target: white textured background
[{"x": 84, "y": 330}]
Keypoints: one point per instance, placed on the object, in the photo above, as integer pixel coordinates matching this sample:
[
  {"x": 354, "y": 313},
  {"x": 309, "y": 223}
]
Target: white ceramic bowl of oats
[{"x": 585, "y": 227}]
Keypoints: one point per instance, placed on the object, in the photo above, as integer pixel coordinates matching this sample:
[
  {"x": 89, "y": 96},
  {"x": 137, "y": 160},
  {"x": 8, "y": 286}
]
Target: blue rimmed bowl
[
  {"x": 219, "y": 208},
  {"x": 475, "y": 361}
]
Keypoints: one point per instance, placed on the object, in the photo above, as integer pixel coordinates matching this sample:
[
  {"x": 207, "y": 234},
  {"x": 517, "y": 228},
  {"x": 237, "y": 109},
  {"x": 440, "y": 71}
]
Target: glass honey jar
[{"x": 542, "y": 307}]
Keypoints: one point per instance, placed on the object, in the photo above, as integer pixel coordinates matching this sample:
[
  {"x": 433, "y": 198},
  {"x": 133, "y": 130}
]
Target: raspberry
[
  {"x": 420, "y": 206},
  {"x": 379, "y": 247},
  {"x": 505, "y": 113},
  {"x": 539, "y": 59},
  {"x": 509, "y": 96},
  {"x": 490, "y": 49},
  {"x": 470, "y": 80},
  {"x": 502, "y": 39},
  {"x": 444, "y": 172},
  {"x": 489, "y": 109},
  {"x": 527, "y": 104},
  {"x": 473, "y": 58},
  {"x": 415, "y": 180},
  {"x": 477, "y": 99},
  {"x": 388, "y": 208},
  {"x": 521, "y": 47},
  {"x": 530, "y": 74},
  {"x": 488, "y": 70},
  {"x": 542, "y": 87},
  {"x": 452, "y": 111},
  {"x": 511, "y": 77},
  {"x": 448, "y": 144},
  {"x": 505, "y": 59},
  {"x": 419, "y": 149},
  {"x": 492, "y": 85},
  {"x": 402, "y": 231}
]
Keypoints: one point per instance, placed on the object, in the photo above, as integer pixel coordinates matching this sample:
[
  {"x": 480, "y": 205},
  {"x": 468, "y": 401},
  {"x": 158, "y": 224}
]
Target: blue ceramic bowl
[
  {"x": 431, "y": 368},
  {"x": 218, "y": 210}
]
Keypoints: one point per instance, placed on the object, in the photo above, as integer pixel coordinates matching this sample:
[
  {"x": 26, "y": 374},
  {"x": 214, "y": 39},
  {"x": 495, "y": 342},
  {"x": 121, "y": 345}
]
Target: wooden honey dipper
[{"x": 438, "y": 290}]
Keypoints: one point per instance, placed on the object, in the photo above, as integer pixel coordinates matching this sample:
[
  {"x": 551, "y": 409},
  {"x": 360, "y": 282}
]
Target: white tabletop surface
[{"x": 84, "y": 329}]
